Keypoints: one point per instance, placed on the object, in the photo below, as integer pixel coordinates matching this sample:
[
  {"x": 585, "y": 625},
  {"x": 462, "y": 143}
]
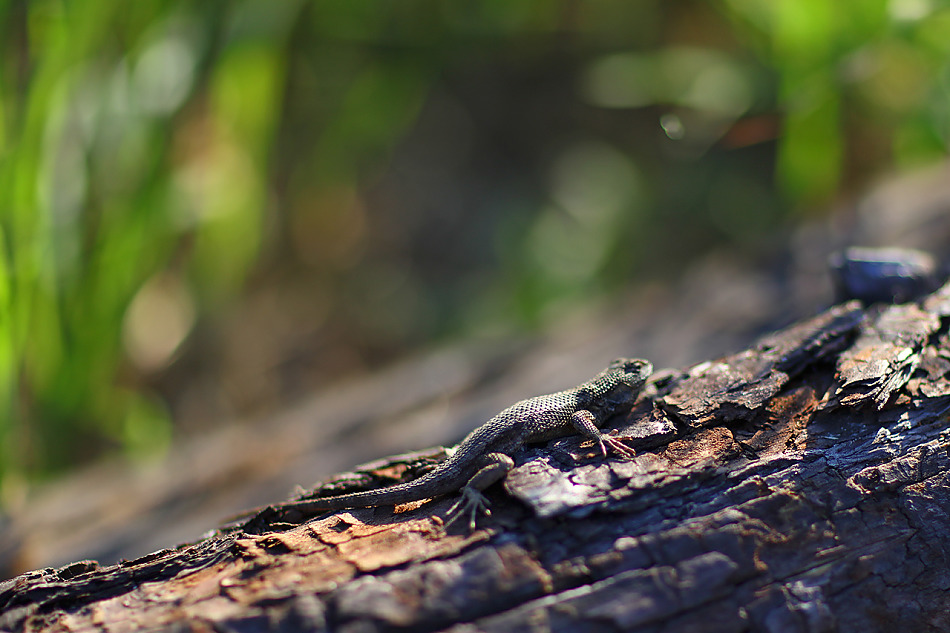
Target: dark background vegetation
[{"x": 209, "y": 209}]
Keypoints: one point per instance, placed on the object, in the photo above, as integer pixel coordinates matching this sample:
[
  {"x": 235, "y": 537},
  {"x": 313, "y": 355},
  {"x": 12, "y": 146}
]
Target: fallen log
[{"x": 798, "y": 485}]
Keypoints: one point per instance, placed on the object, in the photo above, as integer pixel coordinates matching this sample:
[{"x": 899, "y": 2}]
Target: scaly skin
[{"x": 485, "y": 455}]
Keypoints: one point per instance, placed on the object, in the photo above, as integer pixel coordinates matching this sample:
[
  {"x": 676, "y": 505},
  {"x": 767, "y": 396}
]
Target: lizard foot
[
  {"x": 472, "y": 503},
  {"x": 615, "y": 445}
]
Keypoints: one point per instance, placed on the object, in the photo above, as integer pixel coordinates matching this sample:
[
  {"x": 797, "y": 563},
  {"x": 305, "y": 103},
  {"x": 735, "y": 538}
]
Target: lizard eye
[
  {"x": 630, "y": 371},
  {"x": 636, "y": 370}
]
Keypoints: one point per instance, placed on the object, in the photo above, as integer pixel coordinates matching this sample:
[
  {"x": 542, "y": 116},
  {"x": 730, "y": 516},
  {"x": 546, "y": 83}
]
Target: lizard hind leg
[{"x": 494, "y": 467}]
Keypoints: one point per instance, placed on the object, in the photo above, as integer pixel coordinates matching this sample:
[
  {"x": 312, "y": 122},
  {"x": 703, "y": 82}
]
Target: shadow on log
[{"x": 799, "y": 485}]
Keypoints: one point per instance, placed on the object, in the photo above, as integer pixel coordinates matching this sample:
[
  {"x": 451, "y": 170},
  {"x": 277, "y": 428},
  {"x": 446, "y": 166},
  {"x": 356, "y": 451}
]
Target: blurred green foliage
[
  {"x": 853, "y": 77},
  {"x": 163, "y": 163}
]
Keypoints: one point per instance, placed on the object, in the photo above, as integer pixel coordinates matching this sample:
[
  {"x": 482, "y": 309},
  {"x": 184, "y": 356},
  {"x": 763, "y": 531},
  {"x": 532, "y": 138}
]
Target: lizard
[{"x": 485, "y": 455}]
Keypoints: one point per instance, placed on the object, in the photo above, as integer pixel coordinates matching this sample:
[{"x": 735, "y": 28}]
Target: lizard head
[
  {"x": 621, "y": 382},
  {"x": 631, "y": 372}
]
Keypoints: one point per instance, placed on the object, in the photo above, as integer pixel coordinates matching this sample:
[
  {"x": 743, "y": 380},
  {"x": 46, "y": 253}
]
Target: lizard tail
[{"x": 425, "y": 487}]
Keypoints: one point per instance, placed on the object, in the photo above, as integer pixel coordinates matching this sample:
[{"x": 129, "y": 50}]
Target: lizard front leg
[
  {"x": 493, "y": 467},
  {"x": 584, "y": 422}
]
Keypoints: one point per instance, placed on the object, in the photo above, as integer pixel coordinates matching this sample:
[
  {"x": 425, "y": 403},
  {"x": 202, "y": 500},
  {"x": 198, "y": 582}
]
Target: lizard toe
[
  {"x": 618, "y": 447},
  {"x": 472, "y": 503}
]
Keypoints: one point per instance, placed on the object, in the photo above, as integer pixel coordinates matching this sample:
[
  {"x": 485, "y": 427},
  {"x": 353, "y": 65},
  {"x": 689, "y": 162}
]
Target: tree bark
[{"x": 799, "y": 485}]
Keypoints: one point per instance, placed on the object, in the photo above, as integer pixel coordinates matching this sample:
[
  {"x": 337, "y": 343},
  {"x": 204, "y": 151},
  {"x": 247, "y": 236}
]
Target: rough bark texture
[{"x": 799, "y": 485}]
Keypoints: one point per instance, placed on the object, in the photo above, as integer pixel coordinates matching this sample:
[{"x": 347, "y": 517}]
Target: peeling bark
[{"x": 799, "y": 485}]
